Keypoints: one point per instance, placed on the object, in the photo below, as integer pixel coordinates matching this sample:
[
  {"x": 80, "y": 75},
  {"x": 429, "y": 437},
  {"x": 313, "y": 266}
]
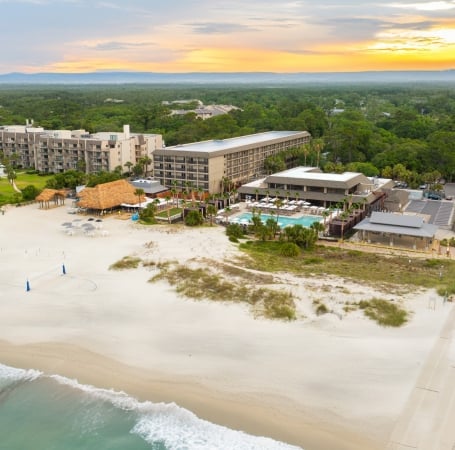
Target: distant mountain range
[{"x": 268, "y": 78}]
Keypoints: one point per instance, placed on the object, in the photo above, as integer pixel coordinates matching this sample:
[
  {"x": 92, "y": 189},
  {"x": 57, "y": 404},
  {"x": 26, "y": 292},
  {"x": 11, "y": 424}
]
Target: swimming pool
[{"x": 283, "y": 221}]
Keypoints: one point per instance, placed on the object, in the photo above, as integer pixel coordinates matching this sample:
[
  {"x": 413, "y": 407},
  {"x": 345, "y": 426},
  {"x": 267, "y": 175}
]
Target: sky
[{"x": 226, "y": 36}]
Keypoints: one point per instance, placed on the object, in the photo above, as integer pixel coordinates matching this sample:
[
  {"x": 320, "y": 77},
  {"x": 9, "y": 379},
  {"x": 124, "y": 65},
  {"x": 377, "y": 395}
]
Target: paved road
[{"x": 428, "y": 419}]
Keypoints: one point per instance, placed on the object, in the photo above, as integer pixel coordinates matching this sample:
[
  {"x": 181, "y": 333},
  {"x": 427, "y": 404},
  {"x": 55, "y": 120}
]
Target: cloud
[
  {"x": 426, "y": 6},
  {"x": 219, "y": 28},
  {"x": 116, "y": 45}
]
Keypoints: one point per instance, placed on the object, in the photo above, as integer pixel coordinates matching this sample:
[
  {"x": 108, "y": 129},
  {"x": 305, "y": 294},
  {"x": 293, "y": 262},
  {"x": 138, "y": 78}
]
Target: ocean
[{"x": 50, "y": 412}]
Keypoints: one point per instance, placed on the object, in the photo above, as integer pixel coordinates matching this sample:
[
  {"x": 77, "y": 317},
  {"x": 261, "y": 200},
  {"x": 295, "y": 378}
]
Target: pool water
[{"x": 283, "y": 221}]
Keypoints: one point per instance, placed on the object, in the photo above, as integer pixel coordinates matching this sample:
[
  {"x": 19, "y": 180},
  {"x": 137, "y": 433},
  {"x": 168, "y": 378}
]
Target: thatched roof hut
[
  {"x": 108, "y": 196},
  {"x": 51, "y": 195}
]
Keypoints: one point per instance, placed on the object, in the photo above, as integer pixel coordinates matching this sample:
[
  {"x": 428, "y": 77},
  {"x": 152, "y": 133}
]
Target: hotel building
[
  {"x": 55, "y": 151},
  {"x": 318, "y": 188},
  {"x": 205, "y": 164}
]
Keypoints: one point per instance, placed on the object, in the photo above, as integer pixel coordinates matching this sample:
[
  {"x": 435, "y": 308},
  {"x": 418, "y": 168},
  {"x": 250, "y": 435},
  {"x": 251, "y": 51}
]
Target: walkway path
[{"x": 427, "y": 421}]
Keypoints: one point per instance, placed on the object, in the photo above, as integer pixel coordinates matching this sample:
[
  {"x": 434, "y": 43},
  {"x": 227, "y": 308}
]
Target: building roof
[
  {"x": 223, "y": 145},
  {"x": 397, "y": 224},
  {"x": 48, "y": 195},
  {"x": 312, "y": 176},
  {"x": 108, "y": 195},
  {"x": 149, "y": 186}
]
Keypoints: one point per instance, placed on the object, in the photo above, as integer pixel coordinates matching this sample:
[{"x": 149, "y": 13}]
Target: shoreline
[
  {"x": 255, "y": 414},
  {"x": 320, "y": 382}
]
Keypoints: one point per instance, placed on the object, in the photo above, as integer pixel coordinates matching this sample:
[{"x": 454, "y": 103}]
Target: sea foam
[
  {"x": 12, "y": 374},
  {"x": 176, "y": 427}
]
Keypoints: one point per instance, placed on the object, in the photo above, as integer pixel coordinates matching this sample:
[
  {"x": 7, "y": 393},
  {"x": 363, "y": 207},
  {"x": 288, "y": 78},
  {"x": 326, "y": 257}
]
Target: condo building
[
  {"x": 204, "y": 165},
  {"x": 55, "y": 151}
]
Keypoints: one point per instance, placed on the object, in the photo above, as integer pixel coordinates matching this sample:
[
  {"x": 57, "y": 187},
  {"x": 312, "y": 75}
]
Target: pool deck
[{"x": 292, "y": 210}]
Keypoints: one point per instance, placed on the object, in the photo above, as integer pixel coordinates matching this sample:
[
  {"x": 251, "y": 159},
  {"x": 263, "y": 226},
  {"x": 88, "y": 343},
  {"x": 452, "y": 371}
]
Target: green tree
[
  {"x": 145, "y": 161},
  {"x": 211, "y": 212},
  {"x": 139, "y": 193},
  {"x": 30, "y": 192},
  {"x": 194, "y": 218},
  {"x": 128, "y": 165}
]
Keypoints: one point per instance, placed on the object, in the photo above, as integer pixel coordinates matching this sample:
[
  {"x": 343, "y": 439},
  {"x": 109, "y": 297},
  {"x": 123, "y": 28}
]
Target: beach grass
[
  {"x": 127, "y": 262},
  {"x": 391, "y": 272},
  {"x": 202, "y": 283},
  {"x": 384, "y": 312}
]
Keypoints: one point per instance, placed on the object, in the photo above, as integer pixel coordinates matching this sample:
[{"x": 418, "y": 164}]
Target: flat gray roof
[
  {"x": 400, "y": 220},
  {"x": 397, "y": 224},
  {"x": 217, "y": 145}
]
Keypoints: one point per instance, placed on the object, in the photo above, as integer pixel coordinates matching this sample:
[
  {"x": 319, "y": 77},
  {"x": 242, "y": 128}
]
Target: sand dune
[{"x": 330, "y": 382}]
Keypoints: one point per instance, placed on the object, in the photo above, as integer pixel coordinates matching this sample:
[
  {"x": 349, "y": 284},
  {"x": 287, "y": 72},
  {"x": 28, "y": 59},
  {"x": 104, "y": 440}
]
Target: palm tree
[
  {"x": 278, "y": 204},
  {"x": 318, "y": 145},
  {"x": 139, "y": 193},
  {"x": 306, "y": 151},
  {"x": 146, "y": 160},
  {"x": 174, "y": 192},
  {"x": 211, "y": 211},
  {"x": 200, "y": 191},
  {"x": 168, "y": 199},
  {"x": 128, "y": 165},
  {"x": 325, "y": 214},
  {"x": 317, "y": 227}
]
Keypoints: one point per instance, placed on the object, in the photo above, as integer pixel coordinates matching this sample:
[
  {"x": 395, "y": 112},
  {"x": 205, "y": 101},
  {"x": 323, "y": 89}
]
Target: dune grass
[
  {"x": 396, "y": 273},
  {"x": 384, "y": 312},
  {"x": 127, "y": 262},
  {"x": 203, "y": 283}
]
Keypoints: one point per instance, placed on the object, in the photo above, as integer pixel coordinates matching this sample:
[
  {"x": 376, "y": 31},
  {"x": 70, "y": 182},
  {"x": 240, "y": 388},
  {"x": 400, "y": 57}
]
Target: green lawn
[{"x": 7, "y": 193}]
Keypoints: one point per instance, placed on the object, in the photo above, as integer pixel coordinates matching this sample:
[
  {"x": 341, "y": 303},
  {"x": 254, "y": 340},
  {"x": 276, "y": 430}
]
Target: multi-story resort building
[
  {"x": 318, "y": 188},
  {"x": 206, "y": 164},
  {"x": 55, "y": 151}
]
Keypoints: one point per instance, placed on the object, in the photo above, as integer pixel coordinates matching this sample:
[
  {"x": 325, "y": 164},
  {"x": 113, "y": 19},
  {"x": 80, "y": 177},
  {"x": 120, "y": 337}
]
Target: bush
[
  {"x": 290, "y": 250},
  {"x": 194, "y": 218},
  {"x": 322, "y": 309},
  {"x": 30, "y": 192},
  {"x": 384, "y": 312},
  {"x": 234, "y": 230}
]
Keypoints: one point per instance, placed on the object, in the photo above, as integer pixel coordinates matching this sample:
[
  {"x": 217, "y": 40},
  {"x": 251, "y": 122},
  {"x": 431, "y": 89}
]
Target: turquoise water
[
  {"x": 283, "y": 221},
  {"x": 41, "y": 412}
]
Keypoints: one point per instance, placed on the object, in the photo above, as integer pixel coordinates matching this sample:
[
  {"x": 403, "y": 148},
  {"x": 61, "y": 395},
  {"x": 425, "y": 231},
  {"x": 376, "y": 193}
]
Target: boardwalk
[{"x": 427, "y": 421}]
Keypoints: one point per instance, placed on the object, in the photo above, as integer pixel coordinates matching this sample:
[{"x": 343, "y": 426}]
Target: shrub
[
  {"x": 321, "y": 309},
  {"x": 432, "y": 262},
  {"x": 235, "y": 230},
  {"x": 290, "y": 250},
  {"x": 30, "y": 192},
  {"x": 194, "y": 218},
  {"x": 384, "y": 312}
]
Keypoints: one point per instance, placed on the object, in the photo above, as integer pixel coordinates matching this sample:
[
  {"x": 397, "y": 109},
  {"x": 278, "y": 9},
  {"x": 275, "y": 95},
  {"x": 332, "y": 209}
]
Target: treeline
[{"x": 406, "y": 131}]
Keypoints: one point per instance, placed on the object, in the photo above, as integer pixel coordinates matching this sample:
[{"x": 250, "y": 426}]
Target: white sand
[{"x": 319, "y": 382}]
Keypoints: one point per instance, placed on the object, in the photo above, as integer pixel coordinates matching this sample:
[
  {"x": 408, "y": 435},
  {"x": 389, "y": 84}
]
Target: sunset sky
[{"x": 226, "y": 36}]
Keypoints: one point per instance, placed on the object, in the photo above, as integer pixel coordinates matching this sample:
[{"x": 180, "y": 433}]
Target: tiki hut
[
  {"x": 51, "y": 195},
  {"x": 108, "y": 196}
]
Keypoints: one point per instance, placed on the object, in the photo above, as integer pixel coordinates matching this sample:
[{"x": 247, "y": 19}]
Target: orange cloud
[{"x": 380, "y": 55}]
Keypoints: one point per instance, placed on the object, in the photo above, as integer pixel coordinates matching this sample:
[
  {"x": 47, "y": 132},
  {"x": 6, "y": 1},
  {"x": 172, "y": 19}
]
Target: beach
[{"x": 337, "y": 381}]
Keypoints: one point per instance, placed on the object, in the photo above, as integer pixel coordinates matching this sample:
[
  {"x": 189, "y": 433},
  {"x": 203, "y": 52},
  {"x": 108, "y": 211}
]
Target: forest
[{"x": 404, "y": 132}]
